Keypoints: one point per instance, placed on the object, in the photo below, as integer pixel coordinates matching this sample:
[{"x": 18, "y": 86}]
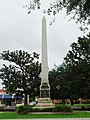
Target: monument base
[
  {"x": 44, "y": 103},
  {"x": 44, "y": 90}
]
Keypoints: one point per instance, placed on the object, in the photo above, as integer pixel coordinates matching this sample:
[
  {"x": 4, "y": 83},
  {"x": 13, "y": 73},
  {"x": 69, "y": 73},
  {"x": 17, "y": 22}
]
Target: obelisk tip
[{"x": 44, "y": 18}]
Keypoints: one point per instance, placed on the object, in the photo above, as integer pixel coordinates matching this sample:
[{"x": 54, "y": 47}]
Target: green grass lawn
[
  {"x": 78, "y": 105},
  {"x": 12, "y": 115}
]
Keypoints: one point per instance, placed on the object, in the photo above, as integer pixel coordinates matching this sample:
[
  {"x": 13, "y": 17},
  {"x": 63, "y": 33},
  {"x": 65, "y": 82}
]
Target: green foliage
[
  {"x": 23, "y": 109},
  {"x": 81, "y": 105},
  {"x": 71, "y": 80},
  {"x": 63, "y": 108},
  {"x": 78, "y": 62},
  {"x": 42, "y": 110},
  {"x": 86, "y": 102},
  {"x": 60, "y": 89},
  {"x": 22, "y": 75},
  {"x": 34, "y": 4},
  {"x": 58, "y": 108},
  {"x": 13, "y": 115},
  {"x": 84, "y": 107},
  {"x": 78, "y": 9}
]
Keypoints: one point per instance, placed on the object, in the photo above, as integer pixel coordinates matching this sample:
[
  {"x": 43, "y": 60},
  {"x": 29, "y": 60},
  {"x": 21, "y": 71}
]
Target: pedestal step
[{"x": 44, "y": 103}]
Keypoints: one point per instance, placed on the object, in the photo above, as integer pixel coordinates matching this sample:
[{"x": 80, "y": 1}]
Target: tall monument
[
  {"x": 44, "y": 100},
  {"x": 45, "y": 87}
]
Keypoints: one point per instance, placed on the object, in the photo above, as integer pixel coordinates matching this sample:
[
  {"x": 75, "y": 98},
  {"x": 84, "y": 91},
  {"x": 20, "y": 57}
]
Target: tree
[
  {"x": 54, "y": 84},
  {"x": 59, "y": 81},
  {"x": 78, "y": 59},
  {"x": 79, "y": 8},
  {"x": 22, "y": 77},
  {"x": 80, "y": 52},
  {"x": 62, "y": 83},
  {"x": 72, "y": 78}
]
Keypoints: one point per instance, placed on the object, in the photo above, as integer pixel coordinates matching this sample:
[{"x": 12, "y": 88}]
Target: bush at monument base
[
  {"x": 23, "y": 109},
  {"x": 63, "y": 108},
  {"x": 57, "y": 108}
]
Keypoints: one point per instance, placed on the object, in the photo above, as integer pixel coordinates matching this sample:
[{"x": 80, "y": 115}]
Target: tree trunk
[
  {"x": 72, "y": 103},
  {"x": 25, "y": 99}
]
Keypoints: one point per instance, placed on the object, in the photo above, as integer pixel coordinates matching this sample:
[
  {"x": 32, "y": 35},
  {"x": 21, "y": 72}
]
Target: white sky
[{"x": 18, "y": 30}]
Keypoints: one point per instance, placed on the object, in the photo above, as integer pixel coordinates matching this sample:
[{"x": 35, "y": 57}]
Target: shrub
[
  {"x": 86, "y": 102},
  {"x": 46, "y": 109},
  {"x": 23, "y": 109},
  {"x": 58, "y": 108},
  {"x": 62, "y": 108},
  {"x": 85, "y": 106},
  {"x": 42, "y": 109}
]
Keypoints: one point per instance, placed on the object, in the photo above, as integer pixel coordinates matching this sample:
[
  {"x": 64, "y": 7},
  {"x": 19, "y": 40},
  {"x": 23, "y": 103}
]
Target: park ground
[
  {"x": 54, "y": 119},
  {"x": 77, "y": 115}
]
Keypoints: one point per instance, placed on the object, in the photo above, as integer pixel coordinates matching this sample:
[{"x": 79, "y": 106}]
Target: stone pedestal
[
  {"x": 44, "y": 90},
  {"x": 44, "y": 103}
]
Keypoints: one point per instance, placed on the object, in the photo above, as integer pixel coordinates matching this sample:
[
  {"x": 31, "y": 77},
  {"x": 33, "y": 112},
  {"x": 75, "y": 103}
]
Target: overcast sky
[{"x": 18, "y": 30}]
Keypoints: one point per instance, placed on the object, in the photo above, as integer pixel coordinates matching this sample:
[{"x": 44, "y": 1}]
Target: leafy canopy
[
  {"x": 72, "y": 78},
  {"x": 79, "y": 9},
  {"x": 22, "y": 75},
  {"x": 78, "y": 60}
]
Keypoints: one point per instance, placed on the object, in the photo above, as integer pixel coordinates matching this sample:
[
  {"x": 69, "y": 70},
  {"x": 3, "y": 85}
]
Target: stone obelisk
[
  {"x": 44, "y": 100},
  {"x": 45, "y": 87},
  {"x": 44, "y": 52}
]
